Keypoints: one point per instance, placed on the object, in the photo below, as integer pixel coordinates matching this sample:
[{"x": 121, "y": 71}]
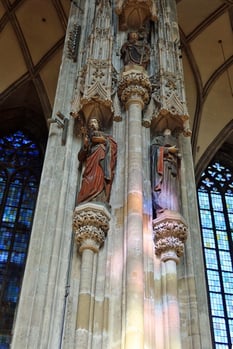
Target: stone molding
[
  {"x": 170, "y": 233},
  {"x": 90, "y": 224}
]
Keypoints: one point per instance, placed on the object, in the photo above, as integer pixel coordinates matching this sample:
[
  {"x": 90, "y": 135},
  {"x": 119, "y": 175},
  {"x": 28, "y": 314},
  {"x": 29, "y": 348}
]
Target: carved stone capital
[
  {"x": 90, "y": 224},
  {"x": 134, "y": 85},
  {"x": 170, "y": 233}
]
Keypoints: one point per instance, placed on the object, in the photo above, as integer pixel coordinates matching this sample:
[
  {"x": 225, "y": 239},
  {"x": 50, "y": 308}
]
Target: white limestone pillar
[
  {"x": 170, "y": 233},
  {"x": 91, "y": 223},
  {"x": 134, "y": 89}
]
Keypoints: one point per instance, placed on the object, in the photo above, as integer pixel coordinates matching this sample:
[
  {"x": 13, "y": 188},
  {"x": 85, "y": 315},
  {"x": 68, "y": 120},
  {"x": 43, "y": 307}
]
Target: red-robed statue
[
  {"x": 99, "y": 153},
  {"x": 165, "y": 168}
]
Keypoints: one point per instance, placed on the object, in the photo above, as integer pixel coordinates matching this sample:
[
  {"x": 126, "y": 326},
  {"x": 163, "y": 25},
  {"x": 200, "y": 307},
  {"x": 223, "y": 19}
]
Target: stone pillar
[
  {"x": 134, "y": 90},
  {"x": 91, "y": 224},
  {"x": 170, "y": 233}
]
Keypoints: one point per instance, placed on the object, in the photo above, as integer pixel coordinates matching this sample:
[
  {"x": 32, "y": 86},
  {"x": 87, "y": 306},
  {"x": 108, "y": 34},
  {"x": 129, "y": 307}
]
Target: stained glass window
[
  {"x": 20, "y": 168},
  {"x": 215, "y": 198}
]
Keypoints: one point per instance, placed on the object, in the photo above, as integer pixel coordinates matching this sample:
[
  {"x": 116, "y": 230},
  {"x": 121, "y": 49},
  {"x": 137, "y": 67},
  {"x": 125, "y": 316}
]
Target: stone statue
[
  {"x": 99, "y": 153},
  {"x": 165, "y": 168},
  {"x": 136, "y": 50}
]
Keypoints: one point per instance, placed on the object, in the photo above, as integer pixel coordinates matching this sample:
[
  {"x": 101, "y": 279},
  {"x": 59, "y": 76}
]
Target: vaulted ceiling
[
  {"x": 206, "y": 30},
  {"x": 32, "y": 35}
]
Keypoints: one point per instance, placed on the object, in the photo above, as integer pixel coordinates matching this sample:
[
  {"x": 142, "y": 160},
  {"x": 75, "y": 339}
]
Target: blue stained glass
[
  {"x": 218, "y": 166},
  {"x": 225, "y": 260},
  {"x": 213, "y": 281},
  {"x": 216, "y": 304},
  {"x": 206, "y": 218},
  {"x": 4, "y": 341},
  {"x": 12, "y": 292},
  {"x": 229, "y": 303},
  {"x": 219, "y": 325},
  {"x": 25, "y": 217},
  {"x": 2, "y": 184},
  {"x": 9, "y": 214},
  {"x": 3, "y": 256},
  {"x": 229, "y": 203},
  {"x": 18, "y": 258},
  {"x": 227, "y": 281},
  {"x": 230, "y": 217},
  {"x": 209, "y": 183},
  {"x": 21, "y": 242},
  {"x": 29, "y": 196},
  {"x": 14, "y": 195},
  {"x": 21, "y": 160},
  {"x": 5, "y": 240},
  {"x": 203, "y": 198},
  {"x": 211, "y": 259},
  {"x": 216, "y": 201},
  {"x": 222, "y": 239},
  {"x": 231, "y": 329},
  {"x": 216, "y": 187},
  {"x": 220, "y": 220},
  {"x": 208, "y": 238}
]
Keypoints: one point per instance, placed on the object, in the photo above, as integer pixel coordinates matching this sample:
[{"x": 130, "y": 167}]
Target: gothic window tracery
[
  {"x": 20, "y": 169},
  {"x": 215, "y": 198}
]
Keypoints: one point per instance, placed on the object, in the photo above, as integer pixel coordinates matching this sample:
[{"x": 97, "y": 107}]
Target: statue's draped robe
[
  {"x": 164, "y": 177},
  {"x": 99, "y": 171},
  {"x": 136, "y": 52}
]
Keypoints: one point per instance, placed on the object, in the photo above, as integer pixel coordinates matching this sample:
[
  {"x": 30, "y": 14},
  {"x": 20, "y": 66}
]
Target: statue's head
[
  {"x": 167, "y": 132},
  {"x": 133, "y": 36},
  {"x": 94, "y": 123}
]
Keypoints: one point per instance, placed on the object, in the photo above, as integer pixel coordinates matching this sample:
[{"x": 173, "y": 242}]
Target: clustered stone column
[
  {"x": 91, "y": 224},
  {"x": 134, "y": 91},
  {"x": 170, "y": 233}
]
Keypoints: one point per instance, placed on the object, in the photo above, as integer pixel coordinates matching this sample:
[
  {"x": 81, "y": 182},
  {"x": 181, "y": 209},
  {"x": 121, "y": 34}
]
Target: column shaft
[
  {"x": 134, "y": 267},
  {"x": 172, "y": 305},
  {"x": 84, "y": 299}
]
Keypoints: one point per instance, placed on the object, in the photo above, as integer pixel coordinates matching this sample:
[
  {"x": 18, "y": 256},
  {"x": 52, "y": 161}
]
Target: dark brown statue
[
  {"x": 99, "y": 152},
  {"x": 165, "y": 169},
  {"x": 136, "y": 50}
]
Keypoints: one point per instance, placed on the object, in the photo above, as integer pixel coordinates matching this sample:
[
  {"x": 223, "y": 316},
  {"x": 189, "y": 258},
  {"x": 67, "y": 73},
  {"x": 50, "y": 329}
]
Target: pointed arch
[
  {"x": 21, "y": 162},
  {"x": 213, "y": 148}
]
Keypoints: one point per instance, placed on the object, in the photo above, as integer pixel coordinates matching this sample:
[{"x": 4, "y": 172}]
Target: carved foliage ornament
[
  {"x": 90, "y": 224},
  {"x": 134, "y": 84},
  {"x": 73, "y": 42},
  {"x": 169, "y": 234}
]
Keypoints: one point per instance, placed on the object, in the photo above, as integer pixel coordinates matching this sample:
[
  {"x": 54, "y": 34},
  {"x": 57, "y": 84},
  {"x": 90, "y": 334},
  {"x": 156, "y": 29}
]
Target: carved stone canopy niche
[
  {"x": 167, "y": 108},
  {"x": 96, "y": 80},
  {"x": 134, "y": 13}
]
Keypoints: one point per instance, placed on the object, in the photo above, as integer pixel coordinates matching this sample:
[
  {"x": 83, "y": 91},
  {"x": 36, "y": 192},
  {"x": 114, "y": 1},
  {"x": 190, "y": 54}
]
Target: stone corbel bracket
[
  {"x": 61, "y": 121},
  {"x": 90, "y": 225},
  {"x": 170, "y": 233}
]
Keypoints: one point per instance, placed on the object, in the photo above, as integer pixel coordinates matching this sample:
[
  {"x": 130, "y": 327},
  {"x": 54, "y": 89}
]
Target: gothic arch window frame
[
  {"x": 213, "y": 149},
  {"x": 17, "y": 222},
  {"x": 215, "y": 188}
]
